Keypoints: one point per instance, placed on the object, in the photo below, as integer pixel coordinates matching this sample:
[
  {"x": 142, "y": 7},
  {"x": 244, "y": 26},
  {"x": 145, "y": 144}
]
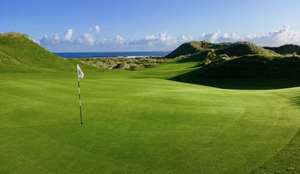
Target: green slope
[
  {"x": 139, "y": 122},
  {"x": 190, "y": 48},
  {"x": 19, "y": 53}
]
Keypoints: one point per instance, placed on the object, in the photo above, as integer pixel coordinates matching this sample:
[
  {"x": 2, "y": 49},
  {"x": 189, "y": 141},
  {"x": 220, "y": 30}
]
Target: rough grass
[
  {"x": 189, "y": 48},
  {"x": 124, "y": 63},
  {"x": 230, "y": 49},
  {"x": 139, "y": 122},
  {"x": 245, "y": 48}
]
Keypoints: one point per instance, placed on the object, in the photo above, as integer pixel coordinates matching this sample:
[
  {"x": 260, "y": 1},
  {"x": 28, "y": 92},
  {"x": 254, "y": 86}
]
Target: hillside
[
  {"x": 286, "y": 49},
  {"x": 20, "y": 54},
  {"x": 231, "y": 49},
  {"x": 190, "y": 48},
  {"x": 240, "y": 60},
  {"x": 245, "y": 48}
]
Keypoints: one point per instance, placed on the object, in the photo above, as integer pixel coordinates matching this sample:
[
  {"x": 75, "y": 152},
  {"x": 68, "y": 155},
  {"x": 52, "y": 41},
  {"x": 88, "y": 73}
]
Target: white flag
[{"x": 80, "y": 74}]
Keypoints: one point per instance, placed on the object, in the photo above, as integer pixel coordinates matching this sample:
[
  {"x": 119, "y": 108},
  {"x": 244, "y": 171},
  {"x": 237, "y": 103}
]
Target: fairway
[{"x": 139, "y": 122}]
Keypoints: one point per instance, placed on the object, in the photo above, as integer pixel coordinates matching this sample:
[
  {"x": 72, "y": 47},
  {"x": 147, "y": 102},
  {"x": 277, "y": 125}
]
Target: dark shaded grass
[
  {"x": 296, "y": 99},
  {"x": 194, "y": 77}
]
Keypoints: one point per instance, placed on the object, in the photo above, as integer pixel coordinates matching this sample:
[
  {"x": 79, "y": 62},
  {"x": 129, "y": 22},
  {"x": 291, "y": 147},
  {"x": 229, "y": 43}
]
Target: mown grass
[
  {"x": 285, "y": 162},
  {"x": 139, "y": 122}
]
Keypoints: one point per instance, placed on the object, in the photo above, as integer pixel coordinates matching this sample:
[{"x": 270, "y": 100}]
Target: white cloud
[
  {"x": 283, "y": 36},
  {"x": 56, "y": 38},
  {"x": 50, "y": 40},
  {"x": 120, "y": 40},
  {"x": 68, "y": 35},
  {"x": 185, "y": 38},
  {"x": 167, "y": 39},
  {"x": 160, "y": 41},
  {"x": 218, "y": 37},
  {"x": 87, "y": 39},
  {"x": 230, "y": 37},
  {"x": 152, "y": 40},
  {"x": 210, "y": 37},
  {"x": 276, "y": 38},
  {"x": 97, "y": 28}
]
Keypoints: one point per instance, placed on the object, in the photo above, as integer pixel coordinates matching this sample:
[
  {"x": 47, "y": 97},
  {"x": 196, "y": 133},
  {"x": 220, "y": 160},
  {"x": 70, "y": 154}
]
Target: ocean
[{"x": 113, "y": 54}]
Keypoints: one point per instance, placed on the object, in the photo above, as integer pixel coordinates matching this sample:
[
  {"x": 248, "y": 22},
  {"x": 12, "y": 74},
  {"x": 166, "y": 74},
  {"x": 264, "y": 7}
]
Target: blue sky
[{"x": 136, "y": 25}]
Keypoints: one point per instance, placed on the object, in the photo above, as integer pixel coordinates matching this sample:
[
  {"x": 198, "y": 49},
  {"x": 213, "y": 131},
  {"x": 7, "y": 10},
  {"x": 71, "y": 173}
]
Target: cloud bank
[
  {"x": 92, "y": 41},
  {"x": 68, "y": 35}
]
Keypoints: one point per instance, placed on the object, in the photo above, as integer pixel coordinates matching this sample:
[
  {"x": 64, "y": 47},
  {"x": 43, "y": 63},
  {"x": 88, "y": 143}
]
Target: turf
[
  {"x": 285, "y": 162},
  {"x": 140, "y": 122}
]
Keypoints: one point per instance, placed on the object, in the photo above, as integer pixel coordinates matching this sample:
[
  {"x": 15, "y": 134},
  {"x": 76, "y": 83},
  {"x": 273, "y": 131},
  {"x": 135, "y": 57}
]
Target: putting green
[{"x": 139, "y": 122}]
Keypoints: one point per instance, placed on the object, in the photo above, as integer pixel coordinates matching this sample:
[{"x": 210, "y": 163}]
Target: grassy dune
[
  {"x": 20, "y": 54},
  {"x": 140, "y": 122}
]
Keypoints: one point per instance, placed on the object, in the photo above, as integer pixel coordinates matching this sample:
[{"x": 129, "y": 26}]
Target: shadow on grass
[
  {"x": 194, "y": 77},
  {"x": 297, "y": 100}
]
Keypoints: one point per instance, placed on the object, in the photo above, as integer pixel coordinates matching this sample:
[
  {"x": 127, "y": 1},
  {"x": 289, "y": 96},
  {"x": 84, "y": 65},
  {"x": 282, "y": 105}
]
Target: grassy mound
[
  {"x": 241, "y": 60},
  {"x": 124, "y": 63},
  {"x": 19, "y": 53},
  {"x": 230, "y": 49},
  {"x": 244, "y": 48},
  {"x": 286, "y": 49},
  {"x": 189, "y": 48}
]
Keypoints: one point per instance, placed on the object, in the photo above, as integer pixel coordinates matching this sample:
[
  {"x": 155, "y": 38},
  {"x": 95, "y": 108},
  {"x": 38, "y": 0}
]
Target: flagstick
[{"x": 80, "y": 102}]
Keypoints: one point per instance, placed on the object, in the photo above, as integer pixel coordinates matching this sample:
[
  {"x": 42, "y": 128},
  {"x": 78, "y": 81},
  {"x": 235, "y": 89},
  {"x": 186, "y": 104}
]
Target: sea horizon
[{"x": 112, "y": 54}]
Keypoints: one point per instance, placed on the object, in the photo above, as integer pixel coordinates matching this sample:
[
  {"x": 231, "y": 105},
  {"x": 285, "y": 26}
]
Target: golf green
[{"x": 139, "y": 122}]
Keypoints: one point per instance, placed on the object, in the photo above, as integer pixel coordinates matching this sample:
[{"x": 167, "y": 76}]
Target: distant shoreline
[{"x": 138, "y": 54}]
